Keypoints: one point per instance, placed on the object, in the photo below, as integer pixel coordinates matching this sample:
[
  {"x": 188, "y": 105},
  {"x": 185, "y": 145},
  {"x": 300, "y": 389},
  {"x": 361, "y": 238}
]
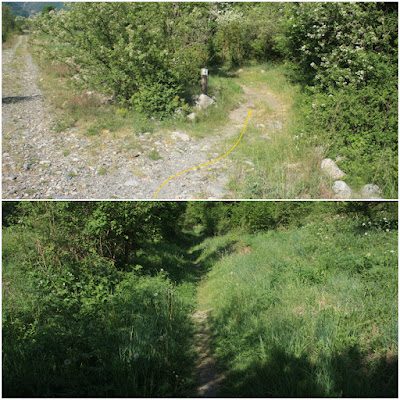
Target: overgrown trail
[
  {"x": 207, "y": 374},
  {"x": 40, "y": 163}
]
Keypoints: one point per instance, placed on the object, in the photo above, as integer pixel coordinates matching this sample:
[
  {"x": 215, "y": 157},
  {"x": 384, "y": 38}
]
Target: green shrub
[{"x": 346, "y": 54}]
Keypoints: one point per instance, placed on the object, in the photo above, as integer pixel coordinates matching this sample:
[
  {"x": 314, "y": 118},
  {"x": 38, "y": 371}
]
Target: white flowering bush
[
  {"x": 244, "y": 31},
  {"x": 336, "y": 45},
  {"x": 144, "y": 53},
  {"x": 345, "y": 54}
]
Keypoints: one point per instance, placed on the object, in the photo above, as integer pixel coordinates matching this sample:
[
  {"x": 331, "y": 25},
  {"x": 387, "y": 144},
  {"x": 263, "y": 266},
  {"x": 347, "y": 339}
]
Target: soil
[
  {"x": 39, "y": 162},
  {"x": 208, "y": 377}
]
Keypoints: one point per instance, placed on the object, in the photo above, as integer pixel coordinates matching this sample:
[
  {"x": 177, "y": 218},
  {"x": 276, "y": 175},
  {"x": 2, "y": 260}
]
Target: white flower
[
  {"x": 366, "y": 233},
  {"x": 155, "y": 294},
  {"x": 387, "y": 230}
]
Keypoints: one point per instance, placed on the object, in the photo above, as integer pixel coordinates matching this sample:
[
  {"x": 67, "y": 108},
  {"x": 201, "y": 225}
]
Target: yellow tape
[{"x": 210, "y": 162}]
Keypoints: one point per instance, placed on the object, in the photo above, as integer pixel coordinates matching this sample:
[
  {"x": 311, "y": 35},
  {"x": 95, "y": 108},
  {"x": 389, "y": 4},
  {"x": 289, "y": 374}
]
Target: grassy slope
[{"x": 306, "y": 312}]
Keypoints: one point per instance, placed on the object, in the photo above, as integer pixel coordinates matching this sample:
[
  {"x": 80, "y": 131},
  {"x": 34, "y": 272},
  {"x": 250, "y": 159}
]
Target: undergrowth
[{"x": 68, "y": 333}]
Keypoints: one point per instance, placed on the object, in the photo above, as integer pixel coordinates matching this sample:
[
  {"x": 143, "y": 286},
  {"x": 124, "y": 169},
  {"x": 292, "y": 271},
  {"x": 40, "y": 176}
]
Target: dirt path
[
  {"x": 40, "y": 163},
  {"x": 207, "y": 375}
]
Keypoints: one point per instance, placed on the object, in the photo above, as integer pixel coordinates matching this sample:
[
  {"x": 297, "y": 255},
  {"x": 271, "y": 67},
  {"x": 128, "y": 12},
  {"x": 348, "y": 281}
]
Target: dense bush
[
  {"x": 143, "y": 53},
  {"x": 244, "y": 31},
  {"x": 346, "y": 54},
  {"x": 80, "y": 309}
]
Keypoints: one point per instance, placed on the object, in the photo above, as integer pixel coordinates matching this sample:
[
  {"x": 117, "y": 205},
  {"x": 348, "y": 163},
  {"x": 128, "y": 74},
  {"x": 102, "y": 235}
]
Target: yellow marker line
[{"x": 210, "y": 162}]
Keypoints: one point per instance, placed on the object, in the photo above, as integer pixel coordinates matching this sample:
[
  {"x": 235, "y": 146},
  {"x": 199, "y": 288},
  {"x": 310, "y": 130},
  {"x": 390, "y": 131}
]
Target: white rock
[
  {"x": 342, "y": 190},
  {"x": 203, "y": 101},
  {"x": 371, "y": 191},
  {"x": 329, "y": 166},
  {"x": 192, "y": 116},
  {"x": 179, "y": 135},
  {"x": 131, "y": 182}
]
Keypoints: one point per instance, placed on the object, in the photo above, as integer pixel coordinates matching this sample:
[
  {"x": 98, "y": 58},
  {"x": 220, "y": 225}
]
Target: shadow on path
[{"x": 19, "y": 99}]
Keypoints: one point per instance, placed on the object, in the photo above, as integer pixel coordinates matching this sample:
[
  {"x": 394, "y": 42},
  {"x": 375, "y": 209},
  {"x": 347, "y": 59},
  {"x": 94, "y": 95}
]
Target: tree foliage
[{"x": 8, "y": 22}]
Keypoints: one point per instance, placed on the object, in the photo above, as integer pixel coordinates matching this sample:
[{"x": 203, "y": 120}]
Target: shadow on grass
[
  {"x": 207, "y": 259},
  {"x": 127, "y": 349},
  {"x": 342, "y": 375}
]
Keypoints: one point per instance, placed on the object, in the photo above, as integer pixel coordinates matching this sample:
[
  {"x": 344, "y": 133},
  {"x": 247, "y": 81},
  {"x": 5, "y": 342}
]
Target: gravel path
[{"x": 41, "y": 163}]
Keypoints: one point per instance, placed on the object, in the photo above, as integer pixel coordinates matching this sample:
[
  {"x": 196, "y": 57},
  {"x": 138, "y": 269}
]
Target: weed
[
  {"x": 101, "y": 171},
  {"x": 154, "y": 155}
]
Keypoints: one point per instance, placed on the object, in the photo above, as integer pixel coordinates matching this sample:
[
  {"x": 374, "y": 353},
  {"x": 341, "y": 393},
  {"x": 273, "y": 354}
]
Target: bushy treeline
[
  {"x": 220, "y": 217},
  {"x": 8, "y": 23},
  {"x": 346, "y": 55}
]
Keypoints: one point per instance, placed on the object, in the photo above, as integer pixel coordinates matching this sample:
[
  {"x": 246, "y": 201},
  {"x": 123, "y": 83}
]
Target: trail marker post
[{"x": 204, "y": 77}]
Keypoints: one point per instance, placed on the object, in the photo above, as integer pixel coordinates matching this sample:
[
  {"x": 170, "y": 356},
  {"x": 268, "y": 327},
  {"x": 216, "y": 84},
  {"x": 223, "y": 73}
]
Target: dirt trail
[
  {"x": 208, "y": 377},
  {"x": 40, "y": 163}
]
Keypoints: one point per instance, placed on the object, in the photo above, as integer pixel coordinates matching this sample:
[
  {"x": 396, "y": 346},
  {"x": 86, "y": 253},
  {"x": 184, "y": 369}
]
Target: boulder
[
  {"x": 342, "y": 190},
  {"x": 371, "y": 191},
  {"x": 329, "y": 166},
  {"x": 203, "y": 101},
  {"x": 179, "y": 135},
  {"x": 192, "y": 116}
]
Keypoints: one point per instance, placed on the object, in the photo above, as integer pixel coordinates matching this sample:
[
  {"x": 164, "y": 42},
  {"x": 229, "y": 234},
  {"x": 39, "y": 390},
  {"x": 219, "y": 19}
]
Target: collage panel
[
  {"x": 200, "y": 299},
  {"x": 211, "y": 100}
]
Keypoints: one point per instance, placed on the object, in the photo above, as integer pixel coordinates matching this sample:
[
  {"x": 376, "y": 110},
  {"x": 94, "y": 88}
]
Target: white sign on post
[{"x": 204, "y": 71}]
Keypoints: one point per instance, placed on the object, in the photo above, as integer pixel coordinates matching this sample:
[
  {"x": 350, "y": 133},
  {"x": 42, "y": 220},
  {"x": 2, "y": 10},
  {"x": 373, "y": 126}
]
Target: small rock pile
[{"x": 341, "y": 189}]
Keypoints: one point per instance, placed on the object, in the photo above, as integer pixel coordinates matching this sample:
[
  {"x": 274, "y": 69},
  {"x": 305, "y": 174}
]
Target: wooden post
[{"x": 204, "y": 76}]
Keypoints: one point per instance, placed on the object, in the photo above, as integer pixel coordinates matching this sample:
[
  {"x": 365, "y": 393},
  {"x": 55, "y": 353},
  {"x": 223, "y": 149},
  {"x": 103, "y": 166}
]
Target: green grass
[
  {"x": 310, "y": 312},
  {"x": 154, "y": 155},
  {"x": 284, "y": 167}
]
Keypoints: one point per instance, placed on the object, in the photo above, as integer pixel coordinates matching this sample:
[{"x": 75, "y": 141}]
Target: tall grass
[
  {"x": 128, "y": 339},
  {"x": 309, "y": 312}
]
